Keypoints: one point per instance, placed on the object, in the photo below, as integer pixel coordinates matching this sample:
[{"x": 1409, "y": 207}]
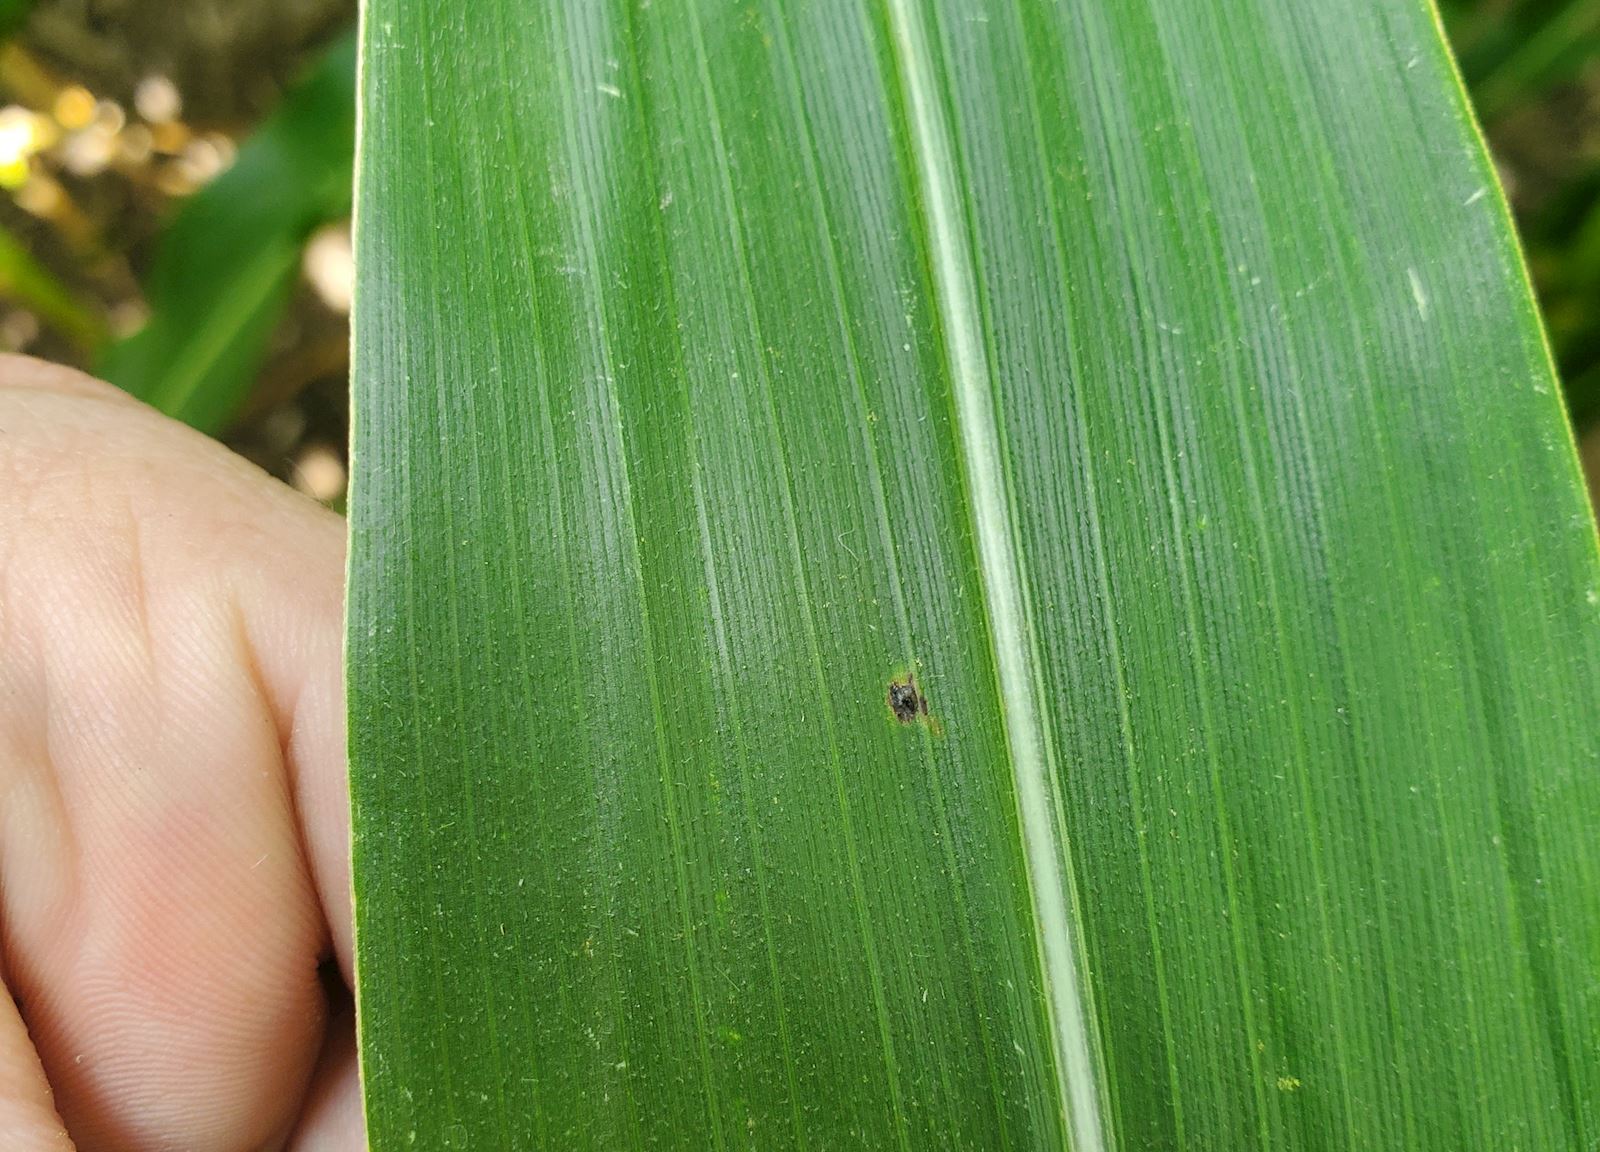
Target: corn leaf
[{"x": 960, "y": 574}]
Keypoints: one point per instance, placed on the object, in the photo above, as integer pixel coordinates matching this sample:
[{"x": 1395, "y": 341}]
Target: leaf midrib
[{"x": 1031, "y": 758}]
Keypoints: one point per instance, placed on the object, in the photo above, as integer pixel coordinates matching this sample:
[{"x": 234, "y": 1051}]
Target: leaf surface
[{"x": 1154, "y": 391}]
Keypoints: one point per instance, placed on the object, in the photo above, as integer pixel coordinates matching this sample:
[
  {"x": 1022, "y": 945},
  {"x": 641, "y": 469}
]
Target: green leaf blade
[{"x": 1178, "y": 420}]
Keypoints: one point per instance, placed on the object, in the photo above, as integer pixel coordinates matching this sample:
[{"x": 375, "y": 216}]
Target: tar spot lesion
[{"x": 905, "y": 701}]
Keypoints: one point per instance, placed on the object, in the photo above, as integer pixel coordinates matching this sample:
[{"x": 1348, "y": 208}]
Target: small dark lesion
[{"x": 905, "y": 701}]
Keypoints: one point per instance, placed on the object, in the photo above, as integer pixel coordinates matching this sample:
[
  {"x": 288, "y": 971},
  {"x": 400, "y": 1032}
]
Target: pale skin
[{"x": 174, "y": 832}]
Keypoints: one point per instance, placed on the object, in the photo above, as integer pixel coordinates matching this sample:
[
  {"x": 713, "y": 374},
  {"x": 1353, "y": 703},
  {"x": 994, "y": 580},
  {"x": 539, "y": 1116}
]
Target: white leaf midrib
[{"x": 1004, "y": 596}]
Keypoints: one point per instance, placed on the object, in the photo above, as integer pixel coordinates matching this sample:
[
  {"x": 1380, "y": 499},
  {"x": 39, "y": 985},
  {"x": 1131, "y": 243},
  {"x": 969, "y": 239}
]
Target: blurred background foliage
[
  {"x": 176, "y": 178},
  {"x": 175, "y": 211}
]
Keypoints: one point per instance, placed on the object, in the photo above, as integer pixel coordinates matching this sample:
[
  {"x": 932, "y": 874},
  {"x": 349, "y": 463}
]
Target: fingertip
[
  {"x": 132, "y": 535},
  {"x": 293, "y": 622}
]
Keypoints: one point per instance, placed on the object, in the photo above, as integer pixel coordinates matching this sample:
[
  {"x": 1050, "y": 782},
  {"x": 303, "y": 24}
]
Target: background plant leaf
[
  {"x": 13, "y": 13},
  {"x": 1158, "y": 387},
  {"x": 226, "y": 264},
  {"x": 25, "y": 280}
]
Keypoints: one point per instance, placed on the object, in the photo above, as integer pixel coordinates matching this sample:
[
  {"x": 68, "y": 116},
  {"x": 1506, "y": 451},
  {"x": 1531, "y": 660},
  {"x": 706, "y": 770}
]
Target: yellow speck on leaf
[{"x": 1288, "y": 1083}]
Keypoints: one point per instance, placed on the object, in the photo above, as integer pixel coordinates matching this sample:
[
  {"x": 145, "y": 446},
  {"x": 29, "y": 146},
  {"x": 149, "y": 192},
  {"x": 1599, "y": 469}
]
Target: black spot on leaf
[{"x": 905, "y": 701}]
